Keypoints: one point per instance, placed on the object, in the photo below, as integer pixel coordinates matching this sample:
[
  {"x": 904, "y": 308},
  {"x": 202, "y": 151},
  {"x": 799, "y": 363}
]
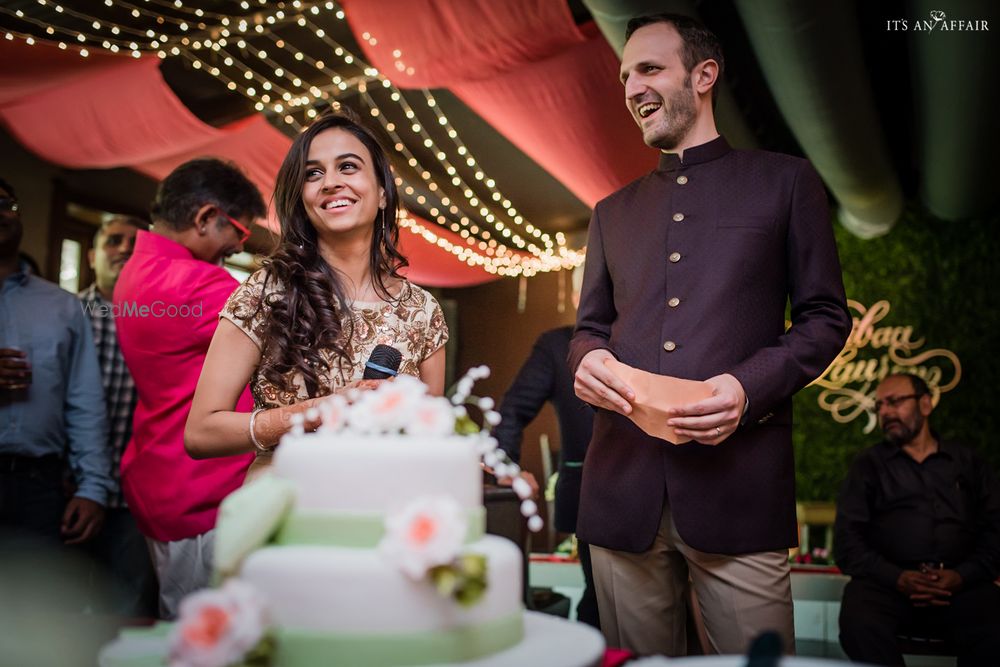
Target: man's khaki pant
[{"x": 641, "y": 597}]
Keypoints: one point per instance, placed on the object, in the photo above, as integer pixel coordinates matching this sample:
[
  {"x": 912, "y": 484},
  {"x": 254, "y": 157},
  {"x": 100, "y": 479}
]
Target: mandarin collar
[{"x": 706, "y": 152}]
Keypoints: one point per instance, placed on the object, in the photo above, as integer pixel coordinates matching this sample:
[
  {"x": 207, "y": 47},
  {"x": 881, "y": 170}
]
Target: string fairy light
[
  {"x": 511, "y": 265},
  {"x": 488, "y": 214},
  {"x": 486, "y": 227},
  {"x": 306, "y": 101},
  {"x": 502, "y": 265}
]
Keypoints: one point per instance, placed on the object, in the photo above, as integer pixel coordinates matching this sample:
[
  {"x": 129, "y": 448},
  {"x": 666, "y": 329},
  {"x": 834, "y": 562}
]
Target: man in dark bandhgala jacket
[
  {"x": 689, "y": 270},
  {"x": 918, "y": 530},
  {"x": 544, "y": 377}
]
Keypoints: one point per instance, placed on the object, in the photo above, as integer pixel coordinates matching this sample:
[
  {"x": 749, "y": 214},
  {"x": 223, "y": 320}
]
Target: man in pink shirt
[{"x": 167, "y": 302}]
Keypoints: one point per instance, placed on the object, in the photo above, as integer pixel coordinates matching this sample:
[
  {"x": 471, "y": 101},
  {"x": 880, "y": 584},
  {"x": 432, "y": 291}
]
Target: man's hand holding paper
[
  {"x": 713, "y": 419},
  {"x": 597, "y": 384},
  {"x": 677, "y": 410}
]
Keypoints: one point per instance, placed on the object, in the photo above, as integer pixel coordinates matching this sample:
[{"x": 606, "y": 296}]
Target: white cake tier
[
  {"x": 357, "y": 590},
  {"x": 378, "y": 473}
]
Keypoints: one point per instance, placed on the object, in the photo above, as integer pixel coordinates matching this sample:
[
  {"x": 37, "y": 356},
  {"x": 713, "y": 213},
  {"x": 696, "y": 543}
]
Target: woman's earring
[{"x": 383, "y": 222}]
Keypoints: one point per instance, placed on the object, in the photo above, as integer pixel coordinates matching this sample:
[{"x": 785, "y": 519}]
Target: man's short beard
[
  {"x": 680, "y": 114},
  {"x": 904, "y": 436}
]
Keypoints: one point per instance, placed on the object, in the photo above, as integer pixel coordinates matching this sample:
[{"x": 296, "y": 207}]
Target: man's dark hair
[
  {"x": 700, "y": 43},
  {"x": 205, "y": 181},
  {"x": 920, "y": 387},
  {"x": 6, "y": 186},
  {"x": 138, "y": 223}
]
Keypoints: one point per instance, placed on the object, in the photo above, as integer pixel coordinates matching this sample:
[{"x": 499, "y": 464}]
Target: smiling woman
[
  {"x": 341, "y": 193},
  {"x": 302, "y": 327}
]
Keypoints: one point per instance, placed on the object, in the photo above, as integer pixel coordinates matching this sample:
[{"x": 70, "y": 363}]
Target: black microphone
[
  {"x": 765, "y": 651},
  {"x": 383, "y": 363}
]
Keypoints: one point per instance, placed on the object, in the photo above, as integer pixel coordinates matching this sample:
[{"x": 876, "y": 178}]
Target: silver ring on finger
[{"x": 718, "y": 431}]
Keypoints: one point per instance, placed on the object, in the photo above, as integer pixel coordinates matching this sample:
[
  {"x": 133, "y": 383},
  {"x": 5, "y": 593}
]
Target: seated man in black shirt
[{"x": 918, "y": 531}]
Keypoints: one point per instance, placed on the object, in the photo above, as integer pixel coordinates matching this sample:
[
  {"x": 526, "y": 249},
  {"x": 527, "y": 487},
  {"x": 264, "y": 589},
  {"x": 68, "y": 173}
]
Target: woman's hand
[
  {"x": 312, "y": 419},
  {"x": 214, "y": 428},
  {"x": 363, "y": 385}
]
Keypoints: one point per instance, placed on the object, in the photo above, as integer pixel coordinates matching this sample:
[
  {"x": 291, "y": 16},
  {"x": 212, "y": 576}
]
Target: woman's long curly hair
[{"x": 310, "y": 312}]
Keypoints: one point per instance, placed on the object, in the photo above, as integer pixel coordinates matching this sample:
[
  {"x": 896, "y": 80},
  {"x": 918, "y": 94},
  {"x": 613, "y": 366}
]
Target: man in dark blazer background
[
  {"x": 689, "y": 270},
  {"x": 546, "y": 377}
]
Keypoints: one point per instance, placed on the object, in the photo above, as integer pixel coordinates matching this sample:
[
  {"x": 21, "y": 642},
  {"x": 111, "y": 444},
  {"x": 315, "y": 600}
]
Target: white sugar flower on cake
[
  {"x": 219, "y": 627},
  {"x": 402, "y": 406},
  {"x": 424, "y": 540},
  {"x": 333, "y": 413},
  {"x": 433, "y": 417},
  {"x": 427, "y": 532},
  {"x": 390, "y": 408}
]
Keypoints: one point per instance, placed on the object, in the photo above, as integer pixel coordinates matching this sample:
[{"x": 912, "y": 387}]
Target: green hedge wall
[{"x": 943, "y": 278}]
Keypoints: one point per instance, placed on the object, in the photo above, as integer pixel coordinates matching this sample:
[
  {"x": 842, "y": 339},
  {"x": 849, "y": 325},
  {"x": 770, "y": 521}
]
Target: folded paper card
[{"x": 655, "y": 395}]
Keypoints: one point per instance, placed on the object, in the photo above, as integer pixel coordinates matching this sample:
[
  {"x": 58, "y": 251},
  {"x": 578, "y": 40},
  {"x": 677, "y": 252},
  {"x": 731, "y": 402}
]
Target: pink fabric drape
[
  {"x": 26, "y": 70},
  {"x": 118, "y": 115},
  {"x": 573, "y": 122},
  {"x": 559, "y": 101},
  {"x": 113, "y": 111},
  {"x": 448, "y": 42}
]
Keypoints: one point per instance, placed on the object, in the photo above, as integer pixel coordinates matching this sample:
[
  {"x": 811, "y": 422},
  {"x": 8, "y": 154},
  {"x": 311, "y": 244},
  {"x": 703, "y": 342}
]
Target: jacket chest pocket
[{"x": 749, "y": 224}]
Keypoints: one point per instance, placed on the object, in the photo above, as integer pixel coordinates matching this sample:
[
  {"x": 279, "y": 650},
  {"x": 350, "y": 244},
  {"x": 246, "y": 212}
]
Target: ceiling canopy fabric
[
  {"x": 549, "y": 86},
  {"x": 118, "y": 112},
  {"x": 442, "y": 42},
  {"x": 117, "y": 115}
]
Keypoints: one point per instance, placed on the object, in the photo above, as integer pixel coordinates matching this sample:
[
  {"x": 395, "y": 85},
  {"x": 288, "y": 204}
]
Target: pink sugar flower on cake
[
  {"x": 218, "y": 627},
  {"x": 389, "y": 408},
  {"x": 426, "y": 533},
  {"x": 434, "y": 416},
  {"x": 333, "y": 413}
]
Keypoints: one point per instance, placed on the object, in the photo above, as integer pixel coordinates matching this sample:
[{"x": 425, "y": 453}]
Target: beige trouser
[
  {"x": 182, "y": 567},
  {"x": 641, "y": 597}
]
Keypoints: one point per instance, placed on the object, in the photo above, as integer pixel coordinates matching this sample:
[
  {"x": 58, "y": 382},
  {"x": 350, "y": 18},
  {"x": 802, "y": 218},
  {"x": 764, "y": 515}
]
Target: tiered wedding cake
[
  {"x": 332, "y": 591},
  {"x": 365, "y": 546}
]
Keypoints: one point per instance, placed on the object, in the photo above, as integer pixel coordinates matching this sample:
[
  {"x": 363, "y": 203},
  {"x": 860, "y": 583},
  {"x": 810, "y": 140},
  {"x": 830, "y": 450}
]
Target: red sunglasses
[{"x": 240, "y": 227}]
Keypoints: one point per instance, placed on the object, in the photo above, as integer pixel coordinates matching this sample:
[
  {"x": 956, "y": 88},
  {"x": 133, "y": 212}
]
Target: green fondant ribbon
[
  {"x": 359, "y": 531},
  {"x": 306, "y": 649}
]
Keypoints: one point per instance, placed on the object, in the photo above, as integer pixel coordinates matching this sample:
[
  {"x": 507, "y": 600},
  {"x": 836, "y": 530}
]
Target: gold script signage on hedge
[{"x": 874, "y": 350}]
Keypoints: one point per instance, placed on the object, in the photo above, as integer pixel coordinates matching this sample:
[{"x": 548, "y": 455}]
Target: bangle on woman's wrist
[{"x": 253, "y": 436}]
